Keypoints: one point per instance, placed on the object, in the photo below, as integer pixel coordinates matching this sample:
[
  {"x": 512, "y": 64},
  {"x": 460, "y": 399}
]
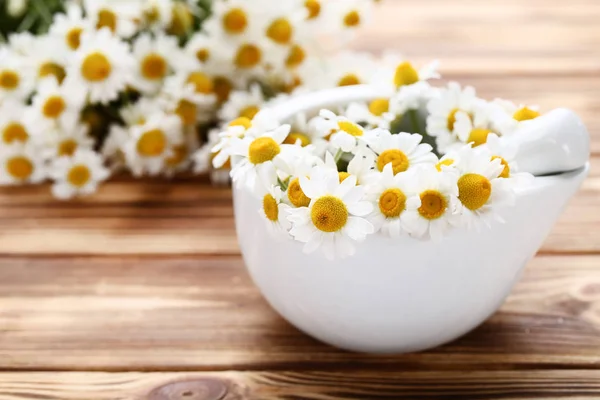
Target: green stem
[
  {"x": 414, "y": 119},
  {"x": 338, "y": 155},
  {"x": 283, "y": 185}
]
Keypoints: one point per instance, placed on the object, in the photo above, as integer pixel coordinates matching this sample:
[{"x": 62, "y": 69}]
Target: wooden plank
[
  {"x": 204, "y": 314},
  {"x": 185, "y": 217},
  {"x": 317, "y": 385}
]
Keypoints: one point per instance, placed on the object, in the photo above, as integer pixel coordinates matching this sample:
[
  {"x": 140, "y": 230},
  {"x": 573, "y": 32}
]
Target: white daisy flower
[
  {"x": 48, "y": 58},
  {"x": 158, "y": 14},
  {"x": 335, "y": 217},
  {"x": 66, "y": 140},
  {"x": 77, "y": 175},
  {"x": 243, "y": 103},
  {"x": 68, "y": 27},
  {"x": 438, "y": 193},
  {"x": 508, "y": 117},
  {"x": 395, "y": 69},
  {"x": 305, "y": 133},
  {"x": 411, "y": 97},
  {"x": 151, "y": 143},
  {"x": 190, "y": 95},
  {"x": 351, "y": 68},
  {"x": 342, "y": 132},
  {"x": 481, "y": 191},
  {"x": 120, "y": 17},
  {"x": 375, "y": 114},
  {"x": 20, "y": 164},
  {"x": 137, "y": 113},
  {"x": 402, "y": 150},
  {"x": 21, "y": 43},
  {"x": 393, "y": 196},
  {"x": 475, "y": 128},
  {"x": 507, "y": 154},
  {"x": 102, "y": 66},
  {"x": 16, "y": 80},
  {"x": 263, "y": 160},
  {"x": 16, "y": 124},
  {"x": 156, "y": 57},
  {"x": 180, "y": 160},
  {"x": 443, "y": 110},
  {"x": 361, "y": 166},
  {"x": 54, "y": 104},
  {"x": 275, "y": 212},
  {"x": 351, "y": 14},
  {"x": 233, "y": 19}
]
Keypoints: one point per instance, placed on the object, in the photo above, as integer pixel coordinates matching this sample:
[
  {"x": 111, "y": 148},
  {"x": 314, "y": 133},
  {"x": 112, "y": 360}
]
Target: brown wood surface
[{"x": 140, "y": 292}]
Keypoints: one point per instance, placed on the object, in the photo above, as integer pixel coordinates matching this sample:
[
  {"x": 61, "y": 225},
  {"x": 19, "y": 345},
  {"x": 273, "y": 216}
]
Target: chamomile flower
[
  {"x": 394, "y": 197},
  {"x": 137, "y": 113},
  {"x": 16, "y": 80},
  {"x": 507, "y": 154},
  {"x": 411, "y": 97},
  {"x": 155, "y": 59},
  {"x": 48, "y": 59},
  {"x": 150, "y": 144},
  {"x": 394, "y": 69},
  {"x": 179, "y": 159},
  {"x": 351, "y": 68},
  {"x": 375, "y": 114},
  {"x": 68, "y": 27},
  {"x": 158, "y": 14},
  {"x": 275, "y": 212},
  {"x": 475, "y": 128},
  {"x": 438, "y": 193},
  {"x": 16, "y": 125},
  {"x": 54, "y": 104},
  {"x": 232, "y": 19},
  {"x": 481, "y": 191},
  {"x": 78, "y": 175},
  {"x": 402, "y": 150},
  {"x": 263, "y": 158},
  {"x": 243, "y": 103},
  {"x": 351, "y": 14},
  {"x": 305, "y": 133},
  {"x": 335, "y": 217},
  {"x": 21, "y": 164},
  {"x": 117, "y": 16},
  {"x": 360, "y": 166},
  {"x": 344, "y": 134},
  {"x": 190, "y": 95},
  {"x": 508, "y": 117},
  {"x": 102, "y": 66},
  {"x": 443, "y": 111},
  {"x": 65, "y": 140}
]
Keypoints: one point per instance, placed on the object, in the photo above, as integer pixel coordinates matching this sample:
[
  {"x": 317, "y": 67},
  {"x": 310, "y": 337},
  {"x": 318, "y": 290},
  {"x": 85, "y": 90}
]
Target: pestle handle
[{"x": 555, "y": 142}]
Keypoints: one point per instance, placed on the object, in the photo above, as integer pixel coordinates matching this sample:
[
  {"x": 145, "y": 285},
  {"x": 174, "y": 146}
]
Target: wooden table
[{"x": 140, "y": 292}]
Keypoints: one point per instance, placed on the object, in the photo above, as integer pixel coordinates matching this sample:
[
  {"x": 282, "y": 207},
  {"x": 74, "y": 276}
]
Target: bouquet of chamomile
[
  {"x": 417, "y": 163},
  {"x": 144, "y": 86}
]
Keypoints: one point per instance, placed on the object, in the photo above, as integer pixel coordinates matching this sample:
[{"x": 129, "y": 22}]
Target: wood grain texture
[{"x": 140, "y": 292}]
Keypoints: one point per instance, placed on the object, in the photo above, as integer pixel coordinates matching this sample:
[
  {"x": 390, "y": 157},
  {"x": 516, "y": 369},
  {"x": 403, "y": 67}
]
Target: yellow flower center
[
  {"x": 249, "y": 112},
  {"x": 67, "y": 147},
  {"x": 343, "y": 176},
  {"x": 54, "y": 107},
  {"x": 405, "y": 74},
  {"x": 152, "y": 14},
  {"x": 392, "y": 202},
  {"x": 154, "y": 67},
  {"x": 293, "y": 138},
  {"x": 178, "y": 156},
  {"x": 235, "y": 21},
  {"x": 506, "y": 171},
  {"x": 478, "y": 136},
  {"x": 182, "y": 19},
  {"x": 399, "y": 160},
  {"x": 241, "y": 121},
  {"x": 352, "y": 19},
  {"x": 313, "y": 7},
  {"x": 152, "y": 143},
  {"x": 73, "y": 38},
  {"x": 433, "y": 204},
  {"x": 203, "y": 55},
  {"x": 295, "y": 56},
  {"x": 296, "y": 194},
  {"x": 9, "y": 80},
  {"x": 53, "y": 69},
  {"x": 248, "y": 56},
  {"x": 187, "y": 111},
  {"x": 14, "y": 132},
  {"x": 448, "y": 162},
  {"x": 280, "y": 31},
  {"x": 349, "y": 80},
  {"x": 452, "y": 119},
  {"x": 525, "y": 114},
  {"x": 222, "y": 88},
  {"x": 474, "y": 191},
  {"x": 270, "y": 207},
  {"x": 108, "y": 19},
  {"x": 202, "y": 83},
  {"x": 96, "y": 67},
  {"x": 329, "y": 214},
  {"x": 350, "y": 128},
  {"x": 79, "y": 175},
  {"x": 19, "y": 167},
  {"x": 379, "y": 106},
  {"x": 262, "y": 150}
]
